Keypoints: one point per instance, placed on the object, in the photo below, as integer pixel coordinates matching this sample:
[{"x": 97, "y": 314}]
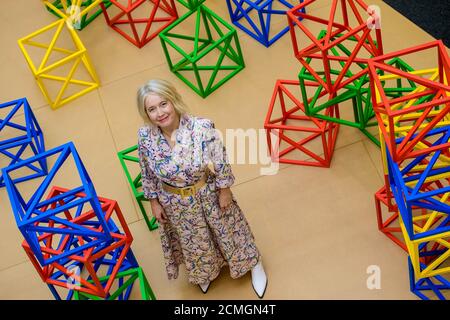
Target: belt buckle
[{"x": 185, "y": 192}]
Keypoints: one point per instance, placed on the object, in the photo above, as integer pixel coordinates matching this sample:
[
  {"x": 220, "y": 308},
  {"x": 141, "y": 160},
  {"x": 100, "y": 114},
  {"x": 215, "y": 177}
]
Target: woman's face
[{"x": 160, "y": 111}]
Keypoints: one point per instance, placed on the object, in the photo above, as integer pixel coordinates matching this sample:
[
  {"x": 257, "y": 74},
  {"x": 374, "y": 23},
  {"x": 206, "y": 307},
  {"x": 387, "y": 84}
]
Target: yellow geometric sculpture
[
  {"x": 64, "y": 72},
  {"x": 436, "y": 265}
]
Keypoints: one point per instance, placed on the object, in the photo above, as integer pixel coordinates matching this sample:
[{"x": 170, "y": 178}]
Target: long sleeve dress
[{"x": 197, "y": 232}]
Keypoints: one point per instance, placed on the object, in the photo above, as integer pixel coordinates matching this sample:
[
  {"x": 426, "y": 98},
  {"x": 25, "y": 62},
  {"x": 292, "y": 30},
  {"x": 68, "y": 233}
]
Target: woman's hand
[
  {"x": 225, "y": 198},
  {"x": 158, "y": 211}
]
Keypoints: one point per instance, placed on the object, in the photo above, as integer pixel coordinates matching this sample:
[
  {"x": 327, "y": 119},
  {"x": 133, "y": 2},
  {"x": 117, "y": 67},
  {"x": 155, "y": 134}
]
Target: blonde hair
[{"x": 163, "y": 89}]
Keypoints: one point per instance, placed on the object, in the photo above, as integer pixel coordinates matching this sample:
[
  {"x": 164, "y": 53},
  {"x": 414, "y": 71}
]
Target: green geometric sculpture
[
  {"x": 202, "y": 50},
  {"x": 191, "y": 4},
  {"x": 317, "y": 100},
  {"x": 125, "y": 281},
  {"x": 85, "y": 19},
  {"x": 131, "y": 162},
  {"x": 316, "y": 104}
]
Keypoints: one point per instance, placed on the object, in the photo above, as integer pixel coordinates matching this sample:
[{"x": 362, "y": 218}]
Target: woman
[{"x": 201, "y": 225}]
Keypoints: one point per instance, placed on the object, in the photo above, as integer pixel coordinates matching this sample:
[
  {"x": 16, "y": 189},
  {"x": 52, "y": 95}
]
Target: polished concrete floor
[{"x": 316, "y": 227}]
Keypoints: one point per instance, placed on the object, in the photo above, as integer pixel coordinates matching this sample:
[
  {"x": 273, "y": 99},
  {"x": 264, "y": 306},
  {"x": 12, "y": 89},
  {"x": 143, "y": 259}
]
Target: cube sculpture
[
  {"x": 77, "y": 11},
  {"x": 387, "y": 218},
  {"x": 420, "y": 172},
  {"x": 73, "y": 278},
  {"x": 415, "y": 112},
  {"x": 337, "y": 57},
  {"x": 34, "y": 216},
  {"x": 191, "y": 4},
  {"x": 361, "y": 115},
  {"x": 412, "y": 109},
  {"x": 428, "y": 288},
  {"x": 82, "y": 271},
  {"x": 291, "y": 119},
  {"x": 70, "y": 280},
  {"x": 421, "y": 189},
  {"x": 21, "y": 139},
  {"x": 428, "y": 257},
  {"x": 69, "y": 69},
  {"x": 345, "y": 21},
  {"x": 130, "y": 162},
  {"x": 202, "y": 50},
  {"x": 70, "y": 234},
  {"x": 125, "y": 283},
  {"x": 423, "y": 182},
  {"x": 145, "y": 18},
  {"x": 255, "y": 17}
]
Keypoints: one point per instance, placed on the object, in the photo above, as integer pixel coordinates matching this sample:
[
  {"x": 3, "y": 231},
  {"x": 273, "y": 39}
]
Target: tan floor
[{"x": 316, "y": 228}]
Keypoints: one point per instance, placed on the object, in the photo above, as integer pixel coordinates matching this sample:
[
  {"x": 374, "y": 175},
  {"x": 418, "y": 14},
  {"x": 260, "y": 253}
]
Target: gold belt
[{"x": 189, "y": 190}]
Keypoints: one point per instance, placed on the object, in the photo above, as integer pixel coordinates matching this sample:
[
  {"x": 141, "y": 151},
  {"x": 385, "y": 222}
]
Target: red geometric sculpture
[
  {"x": 387, "y": 219},
  {"x": 389, "y": 224},
  {"x": 287, "y": 124},
  {"x": 347, "y": 19},
  {"x": 144, "y": 19},
  {"x": 416, "y": 112},
  {"x": 91, "y": 261}
]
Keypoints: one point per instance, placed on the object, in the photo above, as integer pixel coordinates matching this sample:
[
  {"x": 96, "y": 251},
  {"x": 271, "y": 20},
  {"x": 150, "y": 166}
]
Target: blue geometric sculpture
[
  {"x": 49, "y": 224},
  {"x": 244, "y": 12},
  {"x": 422, "y": 183},
  {"x": 19, "y": 137},
  {"x": 82, "y": 271},
  {"x": 71, "y": 235},
  {"x": 434, "y": 285}
]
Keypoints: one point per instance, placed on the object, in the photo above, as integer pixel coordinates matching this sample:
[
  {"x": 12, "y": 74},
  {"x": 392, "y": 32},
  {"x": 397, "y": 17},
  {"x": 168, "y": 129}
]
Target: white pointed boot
[
  {"x": 259, "y": 279},
  {"x": 204, "y": 286}
]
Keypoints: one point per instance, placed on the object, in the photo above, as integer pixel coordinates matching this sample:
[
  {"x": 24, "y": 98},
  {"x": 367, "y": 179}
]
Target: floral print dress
[{"x": 197, "y": 233}]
